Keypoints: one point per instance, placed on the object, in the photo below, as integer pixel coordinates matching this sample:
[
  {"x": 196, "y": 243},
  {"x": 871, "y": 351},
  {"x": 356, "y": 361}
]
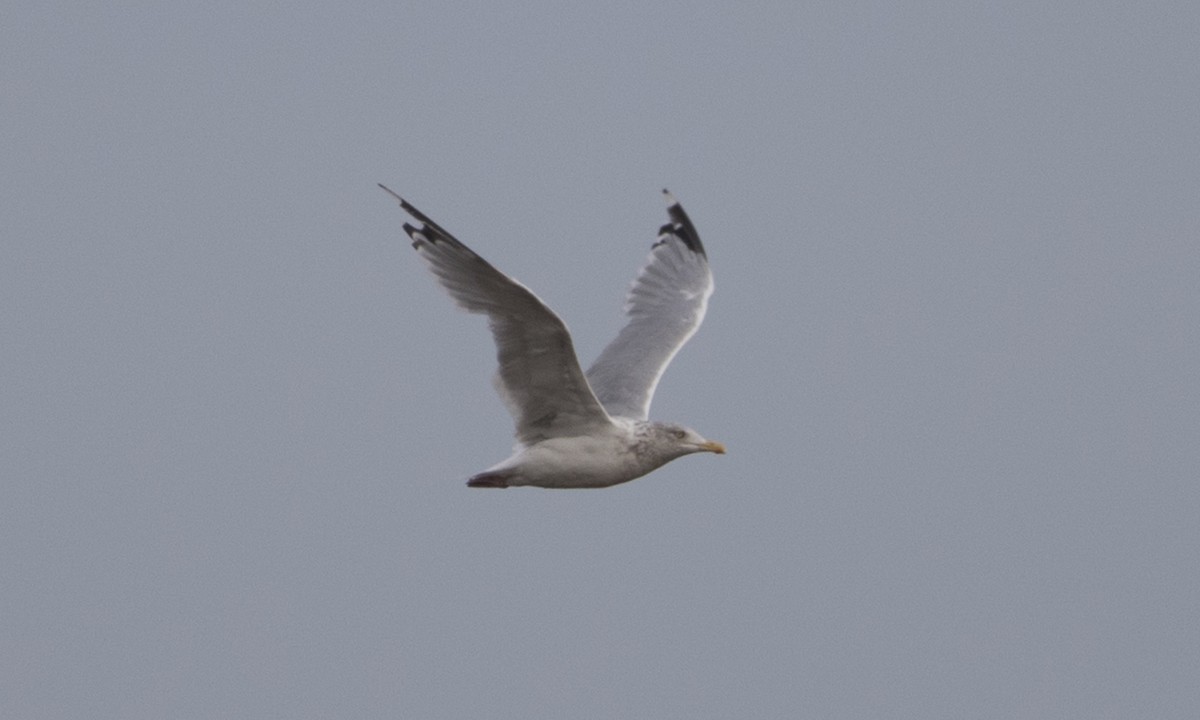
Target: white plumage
[{"x": 575, "y": 430}]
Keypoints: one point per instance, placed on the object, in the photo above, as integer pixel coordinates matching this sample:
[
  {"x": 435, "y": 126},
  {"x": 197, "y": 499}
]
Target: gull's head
[{"x": 674, "y": 441}]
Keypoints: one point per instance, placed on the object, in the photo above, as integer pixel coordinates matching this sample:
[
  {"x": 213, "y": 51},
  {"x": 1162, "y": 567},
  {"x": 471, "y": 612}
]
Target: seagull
[{"x": 577, "y": 430}]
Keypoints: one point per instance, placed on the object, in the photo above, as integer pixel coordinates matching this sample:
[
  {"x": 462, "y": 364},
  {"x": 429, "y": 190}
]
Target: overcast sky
[{"x": 953, "y": 351}]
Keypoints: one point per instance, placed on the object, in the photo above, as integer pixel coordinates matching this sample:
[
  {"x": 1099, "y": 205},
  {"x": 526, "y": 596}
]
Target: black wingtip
[
  {"x": 431, "y": 229},
  {"x": 414, "y": 233},
  {"x": 391, "y": 192},
  {"x": 681, "y": 226}
]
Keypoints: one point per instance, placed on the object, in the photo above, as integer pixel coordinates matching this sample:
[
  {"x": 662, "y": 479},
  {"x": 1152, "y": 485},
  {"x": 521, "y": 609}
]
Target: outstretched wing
[
  {"x": 665, "y": 306},
  {"x": 539, "y": 376}
]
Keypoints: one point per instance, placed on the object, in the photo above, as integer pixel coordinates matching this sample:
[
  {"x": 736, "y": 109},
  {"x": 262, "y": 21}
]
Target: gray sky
[{"x": 953, "y": 352}]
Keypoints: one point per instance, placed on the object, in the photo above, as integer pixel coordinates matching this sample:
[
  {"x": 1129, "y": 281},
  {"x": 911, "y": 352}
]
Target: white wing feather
[
  {"x": 666, "y": 305},
  {"x": 539, "y": 376}
]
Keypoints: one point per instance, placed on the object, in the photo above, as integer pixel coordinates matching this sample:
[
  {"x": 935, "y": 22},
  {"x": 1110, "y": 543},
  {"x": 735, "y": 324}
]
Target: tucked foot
[{"x": 488, "y": 480}]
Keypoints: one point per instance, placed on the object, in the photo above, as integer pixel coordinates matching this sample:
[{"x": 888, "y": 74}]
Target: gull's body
[{"x": 575, "y": 430}]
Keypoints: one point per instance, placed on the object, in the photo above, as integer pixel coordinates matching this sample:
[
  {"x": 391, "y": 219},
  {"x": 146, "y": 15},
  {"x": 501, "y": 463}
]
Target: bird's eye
[{"x": 679, "y": 434}]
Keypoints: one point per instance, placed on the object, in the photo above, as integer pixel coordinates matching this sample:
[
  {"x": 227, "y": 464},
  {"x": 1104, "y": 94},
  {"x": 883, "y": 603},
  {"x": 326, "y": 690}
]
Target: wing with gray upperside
[
  {"x": 539, "y": 376},
  {"x": 665, "y": 306}
]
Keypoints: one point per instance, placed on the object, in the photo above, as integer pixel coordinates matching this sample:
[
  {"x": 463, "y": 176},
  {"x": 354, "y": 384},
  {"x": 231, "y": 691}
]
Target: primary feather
[{"x": 575, "y": 430}]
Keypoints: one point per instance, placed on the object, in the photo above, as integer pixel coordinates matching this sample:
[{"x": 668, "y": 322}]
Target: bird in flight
[{"x": 576, "y": 429}]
